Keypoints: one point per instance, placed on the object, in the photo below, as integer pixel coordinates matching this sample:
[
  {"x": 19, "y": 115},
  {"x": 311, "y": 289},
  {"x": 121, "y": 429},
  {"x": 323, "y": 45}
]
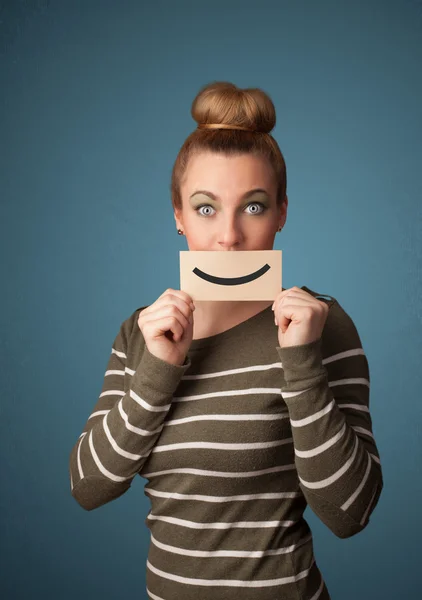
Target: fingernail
[
  {"x": 275, "y": 321},
  {"x": 192, "y": 306}
]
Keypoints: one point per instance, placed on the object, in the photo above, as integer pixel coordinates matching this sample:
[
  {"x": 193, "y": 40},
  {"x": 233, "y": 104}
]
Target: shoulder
[
  {"x": 323, "y": 297},
  {"x": 129, "y": 327},
  {"x": 340, "y": 332}
]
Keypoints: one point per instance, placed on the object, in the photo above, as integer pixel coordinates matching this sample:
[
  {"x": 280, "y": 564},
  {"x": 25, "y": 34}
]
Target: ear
[
  {"x": 283, "y": 212},
  {"x": 178, "y": 218}
]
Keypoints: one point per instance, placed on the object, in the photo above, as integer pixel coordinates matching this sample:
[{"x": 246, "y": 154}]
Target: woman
[{"x": 238, "y": 414}]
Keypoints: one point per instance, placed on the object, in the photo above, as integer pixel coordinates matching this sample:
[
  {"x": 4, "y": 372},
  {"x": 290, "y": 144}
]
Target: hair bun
[{"x": 225, "y": 104}]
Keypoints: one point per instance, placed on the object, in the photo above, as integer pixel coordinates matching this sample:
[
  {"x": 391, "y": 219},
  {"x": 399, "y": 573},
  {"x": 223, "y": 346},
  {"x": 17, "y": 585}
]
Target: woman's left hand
[{"x": 299, "y": 316}]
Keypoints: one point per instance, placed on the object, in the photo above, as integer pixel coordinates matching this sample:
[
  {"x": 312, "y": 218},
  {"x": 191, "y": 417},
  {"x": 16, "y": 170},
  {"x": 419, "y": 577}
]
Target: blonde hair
[{"x": 223, "y": 103}]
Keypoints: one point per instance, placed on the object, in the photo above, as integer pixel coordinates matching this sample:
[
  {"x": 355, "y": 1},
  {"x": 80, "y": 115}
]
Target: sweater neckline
[
  {"x": 218, "y": 337},
  {"x": 211, "y": 340}
]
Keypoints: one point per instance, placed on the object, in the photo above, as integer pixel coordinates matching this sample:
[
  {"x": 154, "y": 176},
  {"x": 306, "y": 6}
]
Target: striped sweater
[{"x": 233, "y": 445}]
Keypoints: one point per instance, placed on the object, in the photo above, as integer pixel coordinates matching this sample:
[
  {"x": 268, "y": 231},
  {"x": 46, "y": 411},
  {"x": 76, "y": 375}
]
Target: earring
[
  {"x": 180, "y": 232},
  {"x": 279, "y": 229}
]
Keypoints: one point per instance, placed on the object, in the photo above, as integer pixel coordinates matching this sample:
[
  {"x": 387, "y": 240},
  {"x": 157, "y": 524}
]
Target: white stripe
[
  {"x": 267, "y": 496},
  {"x": 114, "y": 372},
  {"x": 234, "y": 475},
  {"x": 276, "y": 365},
  {"x": 118, "y": 353},
  {"x": 362, "y": 430},
  {"x": 277, "y": 391},
  {"x": 360, "y": 380},
  {"x": 153, "y": 596},
  {"x": 81, "y": 473},
  {"x": 242, "y": 392},
  {"x": 230, "y": 582},
  {"x": 294, "y": 394},
  {"x": 117, "y": 448},
  {"x": 131, "y": 427},
  {"x": 316, "y": 485},
  {"x": 314, "y": 417},
  {"x": 243, "y": 417},
  {"x": 147, "y": 406},
  {"x": 221, "y": 525},
  {"x": 369, "y": 507},
  {"x": 82, "y": 434},
  {"x": 341, "y": 355},
  {"x": 112, "y": 393},
  {"x": 355, "y": 407},
  {"x": 221, "y": 446},
  {"x": 99, "y": 412},
  {"x": 130, "y": 371},
  {"x": 322, "y": 447},
  {"x": 231, "y": 553},
  {"x": 71, "y": 481},
  {"x": 318, "y": 592},
  {"x": 353, "y": 497},
  {"x": 337, "y": 382},
  {"x": 375, "y": 458},
  {"x": 103, "y": 470}
]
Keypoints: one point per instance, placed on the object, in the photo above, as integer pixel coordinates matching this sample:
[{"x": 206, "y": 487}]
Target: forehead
[{"x": 217, "y": 171}]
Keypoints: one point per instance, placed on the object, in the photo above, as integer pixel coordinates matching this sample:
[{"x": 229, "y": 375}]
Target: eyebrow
[{"x": 246, "y": 195}]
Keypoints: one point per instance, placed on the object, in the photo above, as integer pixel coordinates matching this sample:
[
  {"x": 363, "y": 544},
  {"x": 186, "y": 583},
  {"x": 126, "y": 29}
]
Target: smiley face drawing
[
  {"x": 240, "y": 275},
  {"x": 231, "y": 280}
]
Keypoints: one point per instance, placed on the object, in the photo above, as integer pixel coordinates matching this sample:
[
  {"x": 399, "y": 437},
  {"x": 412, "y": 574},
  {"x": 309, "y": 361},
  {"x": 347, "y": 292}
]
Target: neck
[{"x": 222, "y": 309}]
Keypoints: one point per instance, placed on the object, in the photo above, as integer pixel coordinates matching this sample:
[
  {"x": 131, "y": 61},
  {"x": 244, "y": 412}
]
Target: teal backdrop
[{"x": 95, "y": 101}]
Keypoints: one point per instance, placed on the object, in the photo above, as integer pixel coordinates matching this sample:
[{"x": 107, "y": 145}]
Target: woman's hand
[
  {"x": 167, "y": 326},
  {"x": 299, "y": 316}
]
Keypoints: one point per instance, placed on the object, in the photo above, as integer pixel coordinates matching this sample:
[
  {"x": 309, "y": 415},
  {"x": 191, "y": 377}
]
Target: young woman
[{"x": 238, "y": 414}]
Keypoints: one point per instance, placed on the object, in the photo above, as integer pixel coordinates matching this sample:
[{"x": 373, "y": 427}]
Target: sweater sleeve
[
  {"x": 326, "y": 391},
  {"x": 123, "y": 426}
]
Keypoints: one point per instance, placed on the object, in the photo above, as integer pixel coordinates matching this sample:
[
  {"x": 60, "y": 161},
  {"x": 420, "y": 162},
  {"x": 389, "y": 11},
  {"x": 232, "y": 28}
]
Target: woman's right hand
[{"x": 167, "y": 326}]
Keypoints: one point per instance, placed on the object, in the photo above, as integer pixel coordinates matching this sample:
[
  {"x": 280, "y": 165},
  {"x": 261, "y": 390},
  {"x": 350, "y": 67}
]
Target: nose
[{"x": 230, "y": 236}]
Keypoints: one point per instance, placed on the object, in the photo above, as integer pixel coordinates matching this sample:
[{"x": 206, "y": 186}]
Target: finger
[
  {"x": 282, "y": 295},
  {"x": 155, "y": 328},
  {"x": 284, "y": 323},
  {"x": 285, "y": 316},
  {"x": 169, "y": 310},
  {"x": 292, "y": 298},
  {"x": 299, "y": 299},
  {"x": 170, "y": 300},
  {"x": 295, "y": 292},
  {"x": 314, "y": 308},
  {"x": 183, "y": 295},
  {"x": 290, "y": 309}
]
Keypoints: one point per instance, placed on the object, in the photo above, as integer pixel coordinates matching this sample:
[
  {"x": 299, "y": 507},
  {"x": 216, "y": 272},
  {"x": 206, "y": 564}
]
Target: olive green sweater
[{"x": 233, "y": 445}]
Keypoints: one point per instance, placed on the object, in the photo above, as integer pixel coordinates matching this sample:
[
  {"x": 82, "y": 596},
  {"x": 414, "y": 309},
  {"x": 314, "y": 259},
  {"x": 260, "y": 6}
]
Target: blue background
[{"x": 95, "y": 103}]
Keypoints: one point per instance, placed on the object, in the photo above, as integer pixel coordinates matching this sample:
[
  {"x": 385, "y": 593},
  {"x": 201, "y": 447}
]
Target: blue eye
[
  {"x": 253, "y": 212},
  {"x": 198, "y": 209}
]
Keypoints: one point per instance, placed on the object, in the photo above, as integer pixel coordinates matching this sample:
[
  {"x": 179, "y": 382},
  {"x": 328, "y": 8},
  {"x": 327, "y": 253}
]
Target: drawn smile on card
[{"x": 232, "y": 280}]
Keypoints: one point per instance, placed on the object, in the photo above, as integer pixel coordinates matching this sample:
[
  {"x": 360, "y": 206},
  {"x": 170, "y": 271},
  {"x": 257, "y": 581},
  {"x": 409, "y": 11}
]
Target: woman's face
[{"x": 220, "y": 210}]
